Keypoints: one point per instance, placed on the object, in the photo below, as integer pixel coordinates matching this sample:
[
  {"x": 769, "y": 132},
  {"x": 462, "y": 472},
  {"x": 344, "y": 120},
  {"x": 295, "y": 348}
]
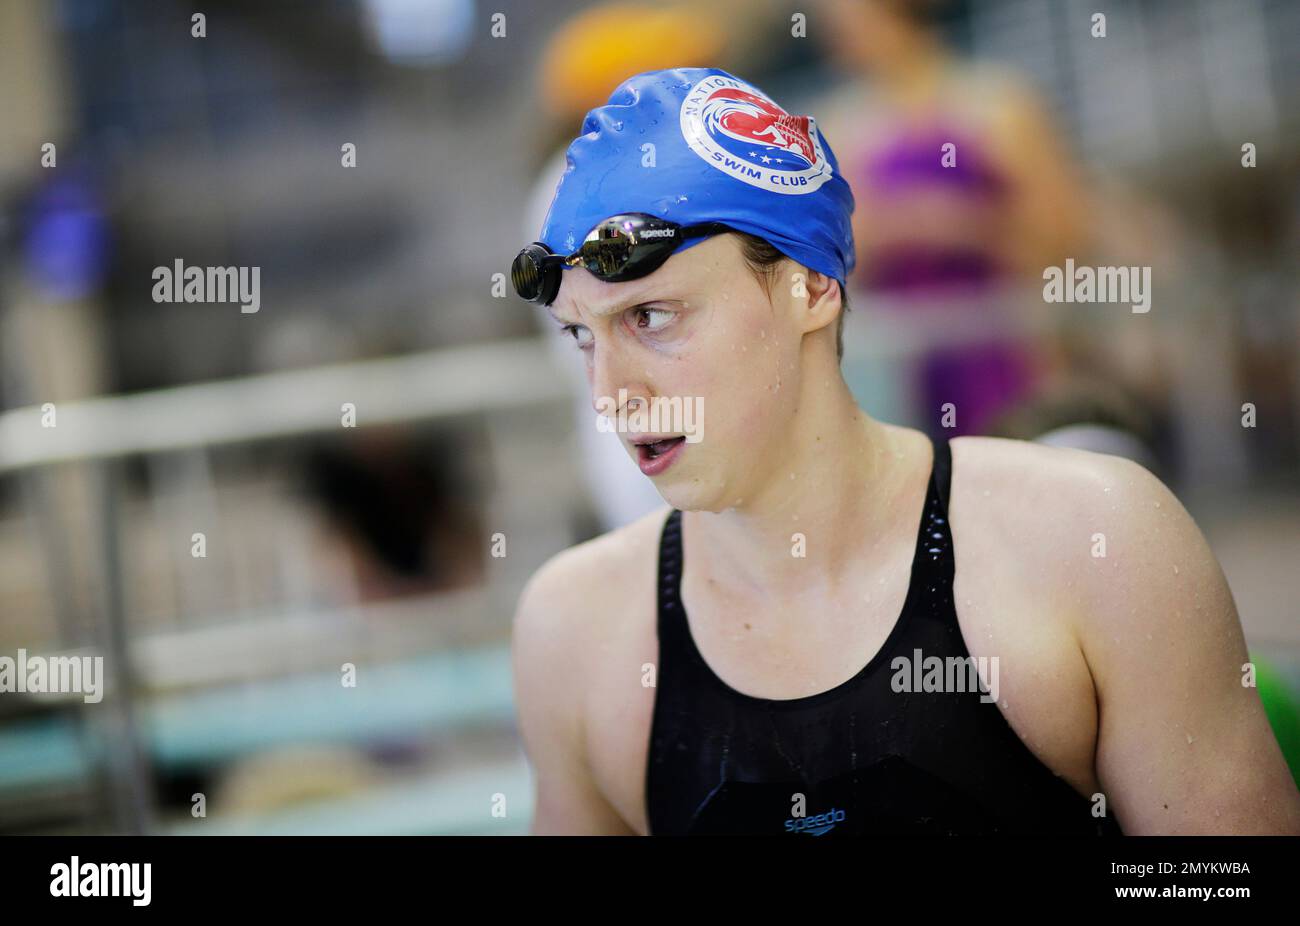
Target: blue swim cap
[{"x": 723, "y": 151}]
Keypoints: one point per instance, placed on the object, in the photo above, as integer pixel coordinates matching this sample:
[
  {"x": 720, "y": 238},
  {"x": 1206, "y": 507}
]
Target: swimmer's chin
[{"x": 696, "y": 497}]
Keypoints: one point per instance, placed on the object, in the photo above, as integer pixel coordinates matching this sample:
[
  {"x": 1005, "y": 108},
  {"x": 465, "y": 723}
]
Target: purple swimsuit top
[{"x": 912, "y": 161}]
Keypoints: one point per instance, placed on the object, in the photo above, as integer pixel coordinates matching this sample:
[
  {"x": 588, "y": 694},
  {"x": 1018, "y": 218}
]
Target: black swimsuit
[{"x": 866, "y": 759}]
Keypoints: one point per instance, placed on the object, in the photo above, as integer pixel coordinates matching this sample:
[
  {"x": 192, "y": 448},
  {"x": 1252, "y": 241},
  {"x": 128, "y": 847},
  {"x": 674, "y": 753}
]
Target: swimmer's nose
[{"x": 613, "y": 384}]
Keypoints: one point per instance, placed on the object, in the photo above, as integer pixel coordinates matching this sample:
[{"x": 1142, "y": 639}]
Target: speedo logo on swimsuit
[
  {"x": 656, "y": 233},
  {"x": 946, "y": 674},
  {"x": 815, "y": 826}
]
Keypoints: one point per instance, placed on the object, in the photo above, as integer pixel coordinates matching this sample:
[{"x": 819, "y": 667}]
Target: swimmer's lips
[{"x": 655, "y": 454}]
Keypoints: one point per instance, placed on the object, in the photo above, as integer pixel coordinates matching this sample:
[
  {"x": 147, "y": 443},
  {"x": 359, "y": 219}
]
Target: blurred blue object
[{"x": 67, "y": 241}]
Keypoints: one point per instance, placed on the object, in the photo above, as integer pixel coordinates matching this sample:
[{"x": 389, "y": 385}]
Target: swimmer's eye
[
  {"x": 650, "y": 319},
  {"x": 581, "y": 334}
]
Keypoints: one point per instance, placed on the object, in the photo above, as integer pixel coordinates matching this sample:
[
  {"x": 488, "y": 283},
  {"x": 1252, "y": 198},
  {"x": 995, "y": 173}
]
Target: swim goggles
[{"x": 622, "y": 247}]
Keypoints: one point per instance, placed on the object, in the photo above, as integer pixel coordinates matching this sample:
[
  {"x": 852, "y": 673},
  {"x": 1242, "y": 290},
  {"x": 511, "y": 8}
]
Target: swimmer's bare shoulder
[
  {"x": 1182, "y": 746},
  {"x": 583, "y": 630}
]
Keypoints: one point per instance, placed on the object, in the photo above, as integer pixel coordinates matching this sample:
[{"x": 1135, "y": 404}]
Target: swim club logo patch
[{"x": 742, "y": 132}]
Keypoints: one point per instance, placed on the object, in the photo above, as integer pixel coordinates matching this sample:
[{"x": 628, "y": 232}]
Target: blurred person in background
[
  {"x": 1084, "y": 413},
  {"x": 404, "y": 514},
  {"x": 965, "y": 193}
]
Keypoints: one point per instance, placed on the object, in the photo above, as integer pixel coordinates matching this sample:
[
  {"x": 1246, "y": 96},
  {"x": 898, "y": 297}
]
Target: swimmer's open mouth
[
  {"x": 657, "y": 448},
  {"x": 655, "y": 454}
]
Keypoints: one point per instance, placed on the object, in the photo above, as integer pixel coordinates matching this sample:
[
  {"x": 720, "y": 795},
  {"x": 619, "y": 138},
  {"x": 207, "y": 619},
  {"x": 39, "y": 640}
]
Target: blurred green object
[{"x": 1281, "y": 700}]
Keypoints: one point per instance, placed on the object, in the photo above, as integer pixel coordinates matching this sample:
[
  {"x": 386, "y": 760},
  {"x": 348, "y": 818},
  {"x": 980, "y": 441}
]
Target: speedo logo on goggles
[{"x": 622, "y": 247}]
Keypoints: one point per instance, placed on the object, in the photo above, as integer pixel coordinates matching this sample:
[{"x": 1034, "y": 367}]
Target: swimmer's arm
[
  {"x": 1182, "y": 746},
  {"x": 548, "y": 694}
]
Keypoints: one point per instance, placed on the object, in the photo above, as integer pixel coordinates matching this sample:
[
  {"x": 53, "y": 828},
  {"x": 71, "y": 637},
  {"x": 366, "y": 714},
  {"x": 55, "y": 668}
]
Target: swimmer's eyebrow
[{"x": 637, "y": 298}]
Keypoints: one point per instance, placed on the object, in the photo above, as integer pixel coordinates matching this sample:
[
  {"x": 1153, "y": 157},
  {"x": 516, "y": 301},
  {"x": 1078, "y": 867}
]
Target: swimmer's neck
[{"x": 839, "y": 496}]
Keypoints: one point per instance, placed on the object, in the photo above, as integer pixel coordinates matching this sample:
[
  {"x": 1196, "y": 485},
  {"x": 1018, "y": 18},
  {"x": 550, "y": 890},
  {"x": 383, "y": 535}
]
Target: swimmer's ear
[{"x": 817, "y": 296}]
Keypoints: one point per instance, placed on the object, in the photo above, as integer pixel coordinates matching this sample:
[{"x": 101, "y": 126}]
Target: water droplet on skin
[
  {"x": 1175, "y": 570},
  {"x": 1189, "y": 739},
  {"x": 1107, "y": 489},
  {"x": 1157, "y": 504},
  {"x": 986, "y": 493}
]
